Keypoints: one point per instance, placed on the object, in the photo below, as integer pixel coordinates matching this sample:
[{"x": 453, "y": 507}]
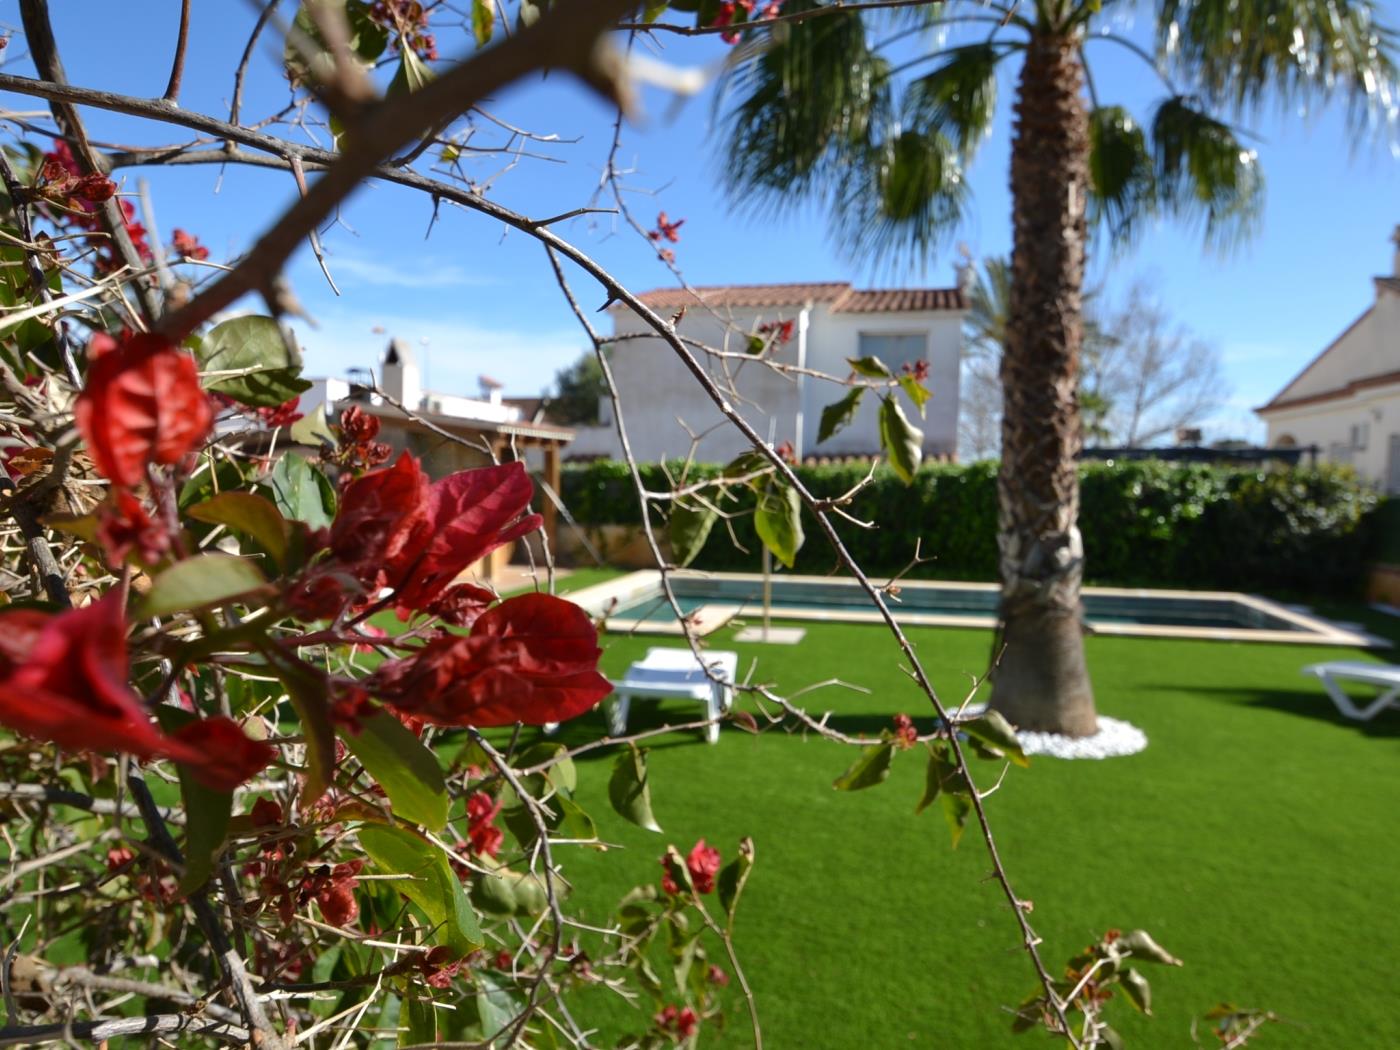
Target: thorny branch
[{"x": 384, "y": 131}]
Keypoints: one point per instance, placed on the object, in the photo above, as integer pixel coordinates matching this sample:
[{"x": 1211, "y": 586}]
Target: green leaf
[
  {"x": 958, "y": 98},
  {"x": 755, "y": 345},
  {"x": 1137, "y": 989},
  {"x": 427, "y": 880},
  {"x": 507, "y": 892},
  {"x": 418, "y": 1022},
  {"x": 870, "y": 367},
  {"x": 307, "y": 694},
  {"x": 574, "y": 822},
  {"x": 628, "y": 790},
  {"x": 207, "y": 811},
  {"x": 918, "y": 393},
  {"x": 248, "y": 513},
  {"x": 407, "y": 771},
  {"x": 529, "y": 13},
  {"x": 871, "y": 768},
  {"x": 995, "y": 731},
  {"x": 732, "y": 878},
  {"x": 269, "y": 363},
  {"x": 483, "y": 21},
  {"x": 902, "y": 441},
  {"x": 412, "y": 76},
  {"x": 956, "y": 810},
  {"x": 312, "y": 429},
  {"x": 839, "y": 414},
  {"x": 562, "y": 774},
  {"x": 941, "y": 775},
  {"x": 689, "y": 529},
  {"x": 1142, "y": 946},
  {"x": 199, "y": 582},
  {"x": 778, "y": 520},
  {"x": 495, "y": 1008},
  {"x": 301, "y": 491},
  {"x": 368, "y": 39}
]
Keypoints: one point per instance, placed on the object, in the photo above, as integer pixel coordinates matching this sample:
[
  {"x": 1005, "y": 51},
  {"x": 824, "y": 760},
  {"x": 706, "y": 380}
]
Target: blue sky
[{"x": 476, "y": 298}]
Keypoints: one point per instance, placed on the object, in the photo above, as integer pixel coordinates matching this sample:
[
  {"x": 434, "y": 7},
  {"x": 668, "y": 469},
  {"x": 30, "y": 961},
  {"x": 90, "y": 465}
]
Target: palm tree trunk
[{"x": 1041, "y": 682}]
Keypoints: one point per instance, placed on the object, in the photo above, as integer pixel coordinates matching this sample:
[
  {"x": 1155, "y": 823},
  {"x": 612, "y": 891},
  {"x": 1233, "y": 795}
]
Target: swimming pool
[{"x": 635, "y": 604}]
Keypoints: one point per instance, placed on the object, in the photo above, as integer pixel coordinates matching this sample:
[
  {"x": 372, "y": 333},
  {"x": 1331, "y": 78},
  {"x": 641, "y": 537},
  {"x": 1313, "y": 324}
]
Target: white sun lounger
[
  {"x": 1384, "y": 677},
  {"x": 667, "y": 673}
]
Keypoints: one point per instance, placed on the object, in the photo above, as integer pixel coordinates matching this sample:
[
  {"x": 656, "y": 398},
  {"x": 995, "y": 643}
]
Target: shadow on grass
[
  {"x": 647, "y": 717},
  {"x": 1314, "y": 704}
]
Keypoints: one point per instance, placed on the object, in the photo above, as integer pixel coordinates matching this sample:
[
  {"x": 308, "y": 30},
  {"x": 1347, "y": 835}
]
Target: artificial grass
[{"x": 1254, "y": 838}]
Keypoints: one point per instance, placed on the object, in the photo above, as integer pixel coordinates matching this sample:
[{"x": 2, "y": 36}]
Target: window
[
  {"x": 1360, "y": 435},
  {"x": 894, "y": 350}
]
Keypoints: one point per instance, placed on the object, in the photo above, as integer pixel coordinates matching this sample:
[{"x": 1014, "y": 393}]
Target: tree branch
[
  {"x": 177, "y": 68},
  {"x": 38, "y": 33}
]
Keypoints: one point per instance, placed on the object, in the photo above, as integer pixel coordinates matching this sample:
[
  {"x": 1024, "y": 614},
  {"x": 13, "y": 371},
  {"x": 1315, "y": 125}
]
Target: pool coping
[{"x": 1313, "y": 630}]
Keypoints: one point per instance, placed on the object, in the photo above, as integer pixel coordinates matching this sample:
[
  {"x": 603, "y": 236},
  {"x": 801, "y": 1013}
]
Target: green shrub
[{"x": 1145, "y": 523}]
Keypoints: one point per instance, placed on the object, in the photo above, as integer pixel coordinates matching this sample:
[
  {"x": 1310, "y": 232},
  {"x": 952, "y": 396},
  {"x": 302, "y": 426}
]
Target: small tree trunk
[{"x": 1042, "y": 682}]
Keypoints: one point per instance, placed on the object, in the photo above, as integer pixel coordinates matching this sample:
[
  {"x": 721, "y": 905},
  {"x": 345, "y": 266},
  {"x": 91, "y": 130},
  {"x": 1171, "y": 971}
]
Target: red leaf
[
  {"x": 532, "y": 659},
  {"x": 142, "y": 404}
]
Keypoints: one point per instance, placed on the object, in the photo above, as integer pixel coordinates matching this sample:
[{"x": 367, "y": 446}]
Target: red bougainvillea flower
[
  {"x": 187, "y": 245},
  {"x": 679, "y": 1021},
  {"x": 395, "y": 529},
  {"x": 63, "y": 678},
  {"x": 334, "y": 891},
  {"x": 485, "y": 837},
  {"x": 123, "y": 526},
  {"x": 906, "y": 735},
  {"x": 142, "y": 404},
  {"x": 532, "y": 659},
  {"x": 703, "y": 865}
]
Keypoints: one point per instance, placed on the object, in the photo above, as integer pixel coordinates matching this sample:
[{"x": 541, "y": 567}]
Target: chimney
[
  {"x": 490, "y": 389},
  {"x": 400, "y": 377},
  {"x": 966, "y": 271},
  {"x": 1395, "y": 238}
]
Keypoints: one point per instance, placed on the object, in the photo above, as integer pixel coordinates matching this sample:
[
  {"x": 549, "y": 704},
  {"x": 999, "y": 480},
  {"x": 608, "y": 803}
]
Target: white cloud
[
  {"x": 452, "y": 350},
  {"x": 352, "y": 268}
]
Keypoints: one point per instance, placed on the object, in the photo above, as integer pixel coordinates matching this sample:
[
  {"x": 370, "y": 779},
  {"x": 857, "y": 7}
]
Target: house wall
[
  {"x": 836, "y": 337},
  {"x": 658, "y": 392},
  {"x": 1362, "y": 429},
  {"x": 1371, "y": 346}
]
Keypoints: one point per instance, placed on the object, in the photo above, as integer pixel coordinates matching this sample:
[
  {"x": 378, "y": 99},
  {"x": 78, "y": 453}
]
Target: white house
[
  {"x": 663, "y": 405},
  {"x": 1346, "y": 402},
  {"x": 448, "y": 432}
]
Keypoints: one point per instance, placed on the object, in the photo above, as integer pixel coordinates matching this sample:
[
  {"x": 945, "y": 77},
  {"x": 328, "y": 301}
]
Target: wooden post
[{"x": 547, "y": 506}]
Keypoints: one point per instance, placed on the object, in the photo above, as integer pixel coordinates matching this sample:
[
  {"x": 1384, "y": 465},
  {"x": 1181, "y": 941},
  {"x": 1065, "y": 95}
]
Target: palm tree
[{"x": 879, "y": 135}]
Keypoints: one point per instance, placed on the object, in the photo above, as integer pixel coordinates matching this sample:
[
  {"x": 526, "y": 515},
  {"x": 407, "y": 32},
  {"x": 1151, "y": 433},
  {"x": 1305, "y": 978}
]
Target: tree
[
  {"x": 823, "y": 113},
  {"x": 1148, "y": 376},
  {"x": 578, "y": 390},
  {"x": 1141, "y": 376}
]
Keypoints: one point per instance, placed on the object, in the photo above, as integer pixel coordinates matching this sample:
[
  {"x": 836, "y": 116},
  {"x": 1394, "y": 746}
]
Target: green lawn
[{"x": 1255, "y": 838}]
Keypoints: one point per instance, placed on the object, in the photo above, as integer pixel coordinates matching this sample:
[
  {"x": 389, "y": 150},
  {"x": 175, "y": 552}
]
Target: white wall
[
  {"x": 836, "y": 337},
  {"x": 658, "y": 393},
  {"x": 1371, "y": 346},
  {"x": 1328, "y": 424}
]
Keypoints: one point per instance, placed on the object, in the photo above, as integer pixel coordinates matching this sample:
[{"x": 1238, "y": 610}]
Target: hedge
[{"x": 1144, "y": 523}]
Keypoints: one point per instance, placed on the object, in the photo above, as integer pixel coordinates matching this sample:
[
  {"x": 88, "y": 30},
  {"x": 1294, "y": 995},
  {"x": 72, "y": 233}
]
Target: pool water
[{"x": 636, "y": 603}]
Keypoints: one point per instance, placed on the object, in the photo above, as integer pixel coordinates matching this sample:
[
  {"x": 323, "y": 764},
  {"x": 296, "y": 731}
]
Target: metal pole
[{"x": 767, "y": 590}]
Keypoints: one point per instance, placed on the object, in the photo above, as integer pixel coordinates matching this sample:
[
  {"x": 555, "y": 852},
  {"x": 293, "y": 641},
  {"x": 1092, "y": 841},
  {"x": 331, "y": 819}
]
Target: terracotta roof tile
[
  {"x": 899, "y": 300},
  {"x": 746, "y": 295},
  {"x": 841, "y": 297}
]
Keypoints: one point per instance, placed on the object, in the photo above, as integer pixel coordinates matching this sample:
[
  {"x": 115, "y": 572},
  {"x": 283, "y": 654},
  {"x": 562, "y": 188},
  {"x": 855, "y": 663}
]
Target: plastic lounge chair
[
  {"x": 675, "y": 673},
  {"x": 1384, "y": 677}
]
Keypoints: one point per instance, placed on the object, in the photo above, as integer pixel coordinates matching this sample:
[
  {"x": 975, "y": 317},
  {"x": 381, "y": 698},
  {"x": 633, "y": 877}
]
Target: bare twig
[{"x": 177, "y": 67}]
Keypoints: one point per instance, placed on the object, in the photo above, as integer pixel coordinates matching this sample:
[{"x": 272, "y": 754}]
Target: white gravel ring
[{"x": 1115, "y": 737}]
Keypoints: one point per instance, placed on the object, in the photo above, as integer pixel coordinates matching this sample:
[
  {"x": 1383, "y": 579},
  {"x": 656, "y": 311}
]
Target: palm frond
[
  {"x": 803, "y": 104},
  {"x": 958, "y": 98},
  {"x": 1203, "y": 172},
  {"x": 899, "y": 199},
  {"x": 988, "y": 307},
  {"x": 1122, "y": 183},
  {"x": 1237, "y": 54}
]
